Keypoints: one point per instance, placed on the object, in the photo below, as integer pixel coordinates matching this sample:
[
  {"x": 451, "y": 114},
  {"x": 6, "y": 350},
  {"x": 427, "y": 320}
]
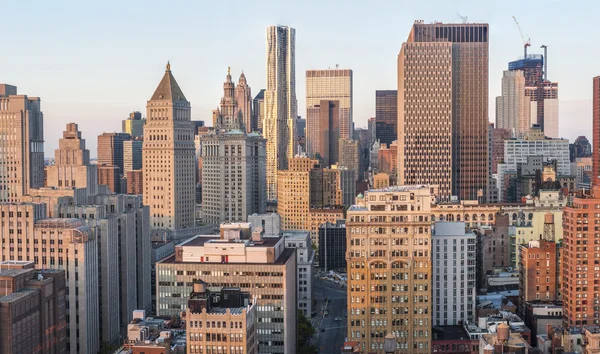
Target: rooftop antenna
[{"x": 463, "y": 18}]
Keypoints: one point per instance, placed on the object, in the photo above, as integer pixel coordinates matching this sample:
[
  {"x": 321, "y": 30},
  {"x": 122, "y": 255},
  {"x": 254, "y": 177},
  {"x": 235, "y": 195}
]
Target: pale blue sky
[{"x": 94, "y": 62}]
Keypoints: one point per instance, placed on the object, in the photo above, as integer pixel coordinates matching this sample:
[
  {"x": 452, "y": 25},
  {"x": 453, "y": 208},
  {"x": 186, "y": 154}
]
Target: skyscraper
[
  {"x": 258, "y": 110},
  {"x": 21, "y": 144},
  {"x": 323, "y": 131},
  {"x": 233, "y": 166},
  {"x": 596, "y": 130},
  {"x": 332, "y": 85},
  {"x": 243, "y": 97},
  {"x": 386, "y": 116},
  {"x": 280, "y": 102},
  {"x": 110, "y": 149},
  {"x": 134, "y": 125},
  {"x": 443, "y": 108},
  {"x": 132, "y": 155},
  {"x": 512, "y": 108},
  {"x": 388, "y": 253},
  {"x": 169, "y": 158}
]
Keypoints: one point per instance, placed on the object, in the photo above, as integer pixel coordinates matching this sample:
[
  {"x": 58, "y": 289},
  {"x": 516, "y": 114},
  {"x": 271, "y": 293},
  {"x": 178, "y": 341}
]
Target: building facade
[
  {"x": 305, "y": 259},
  {"x": 169, "y": 162},
  {"x": 332, "y": 85},
  {"x": 454, "y": 254},
  {"x": 512, "y": 107},
  {"x": 388, "y": 252},
  {"x": 258, "y": 110},
  {"x": 132, "y": 155},
  {"x": 280, "y": 102},
  {"x": 134, "y": 125},
  {"x": 262, "y": 267},
  {"x": 323, "y": 131},
  {"x": 243, "y": 97},
  {"x": 22, "y": 144},
  {"x": 110, "y": 149},
  {"x": 386, "y": 116},
  {"x": 448, "y": 63},
  {"x": 332, "y": 245},
  {"x": 538, "y": 272}
]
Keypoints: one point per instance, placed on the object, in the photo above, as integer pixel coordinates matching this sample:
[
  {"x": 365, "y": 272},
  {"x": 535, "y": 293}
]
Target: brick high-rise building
[
  {"x": 32, "y": 309},
  {"x": 386, "y": 116},
  {"x": 110, "y": 176},
  {"x": 538, "y": 267},
  {"x": 281, "y": 107},
  {"x": 388, "y": 257},
  {"x": 22, "y": 144},
  {"x": 497, "y": 146},
  {"x": 596, "y": 131},
  {"x": 443, "y": 108},
  {"x": 169, "y": 160},
  {"x": 323, "y": 131},
  {"x": 135, "y": 182},
  {"x": 332, "y": 85}
]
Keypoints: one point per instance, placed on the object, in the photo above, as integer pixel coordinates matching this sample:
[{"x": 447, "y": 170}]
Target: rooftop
[
  {"x": 449, "y": 333},
  {"x": 17, "y": 295},
  {"x": 202, "y": 240},
  {"x": 283, "y": 258}
]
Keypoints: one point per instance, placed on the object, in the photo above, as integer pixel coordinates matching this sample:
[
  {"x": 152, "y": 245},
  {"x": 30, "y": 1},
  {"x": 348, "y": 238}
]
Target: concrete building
[
  {"x": 160, "y": 250},
  {"x": 512, "y": 107},
  {"x": 218, "y": 320},
  {"x": 22, "y": 145},
  {"x": 332, "y": 85},
  {"x": 270, "y": 223},
  {"x": 110, "y": 149},
  {"x": 449, "y": 64},
  {"x": 281, "y": 107},
  {"x": 258, "y": 110},
  {"x": 364, "y": 153},
  {"x": 389, "y": 274},
  {"x": 261, "y": 266},
  {"x": 349, "y": 155},
  {"x": 134, "y": 125},
  {"x": 381, "y": 180},
  {"x": 374, "y": 157},
  {"x": 169, "y": 162},
  {"x": 323, "y": 131},
  {"x": 243, "y": 97},
  {"x": 386, "y": 116},
  {"x": 233, "y": 166},
  {"x": 305, "y": 262},
  {"x": 453, "y": 254},
  {"x": 132, "y": 155},
  {"x": 493, "y": 248},
  {"x": 332, "y": 245},
  {"x": 499, "y": 135},
  {"x": 32, "y": 309}
]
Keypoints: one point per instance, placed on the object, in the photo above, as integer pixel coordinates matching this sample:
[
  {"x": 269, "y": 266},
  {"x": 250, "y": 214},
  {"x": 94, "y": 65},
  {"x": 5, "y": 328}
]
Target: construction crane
[
  {"x": 545, "y": 47},
  {"x": 526, "y": 42},
  {"x": 463, "y": 18}
]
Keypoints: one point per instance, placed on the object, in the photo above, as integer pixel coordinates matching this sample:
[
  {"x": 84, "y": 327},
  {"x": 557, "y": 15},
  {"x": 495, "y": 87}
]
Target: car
[
  {"x": 313, "y": 314},
  {"x": 338, "y": 318},
  {"x": 322, "y": 329}
]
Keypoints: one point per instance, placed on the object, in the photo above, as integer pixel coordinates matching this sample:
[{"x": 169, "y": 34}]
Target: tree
[{"x": 305, "y": 332}]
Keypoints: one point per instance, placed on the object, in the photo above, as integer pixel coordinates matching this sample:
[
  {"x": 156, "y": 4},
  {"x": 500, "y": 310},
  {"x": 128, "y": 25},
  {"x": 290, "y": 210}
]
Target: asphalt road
[{"x": 331, "y": 340}]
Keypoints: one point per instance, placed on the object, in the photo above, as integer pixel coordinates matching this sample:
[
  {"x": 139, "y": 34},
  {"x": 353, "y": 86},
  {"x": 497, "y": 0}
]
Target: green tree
[{"x": 305, "y": 332}]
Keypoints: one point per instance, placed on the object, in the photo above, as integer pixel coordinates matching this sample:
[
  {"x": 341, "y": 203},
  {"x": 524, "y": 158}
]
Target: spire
[
  {"x": 242, "y": 78},
  {"x": 168, "y": 89}
]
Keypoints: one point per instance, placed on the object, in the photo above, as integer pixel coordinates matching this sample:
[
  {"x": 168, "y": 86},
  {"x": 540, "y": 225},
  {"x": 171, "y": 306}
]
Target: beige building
[
  {"x": 223, "y": 321},
  {"x": 443, "y": 108},
  {"x": 260, "y": 266},
  {"x": 349, "y": 156},
  {"x": 281, "y": 107},
  {"x": 381, "y": 180},
  {"x": 512, "y": 108},
  {"x": 32, "y": 309},
  {"x": 388, "y": 252},
  {"x": 243, "y": 97},
  {"x": 332, "y": 85},
  {"x": 169, "y": 160},
  {"x": 22, "y": 144}
]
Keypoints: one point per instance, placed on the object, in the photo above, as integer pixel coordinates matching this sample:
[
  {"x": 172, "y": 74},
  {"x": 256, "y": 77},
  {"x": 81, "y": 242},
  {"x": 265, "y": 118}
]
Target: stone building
[
  {"x": 305, "y": 259},
  {"x": 243, "y": 97}
]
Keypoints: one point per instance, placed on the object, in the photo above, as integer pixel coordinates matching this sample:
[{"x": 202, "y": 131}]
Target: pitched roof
[{"x": 168, "y": 89}]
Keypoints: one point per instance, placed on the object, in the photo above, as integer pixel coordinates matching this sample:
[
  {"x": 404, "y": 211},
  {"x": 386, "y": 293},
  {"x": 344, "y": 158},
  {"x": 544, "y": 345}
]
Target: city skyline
[{"x": 115, "y": 85}]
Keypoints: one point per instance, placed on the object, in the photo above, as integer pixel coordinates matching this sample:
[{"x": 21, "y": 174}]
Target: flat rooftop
[
  {"x": 283, "y": 259},
  {"x": 17, "y": 295},
  {"x": 449, "y": 333},
  {"x": 202, "y": 240}
]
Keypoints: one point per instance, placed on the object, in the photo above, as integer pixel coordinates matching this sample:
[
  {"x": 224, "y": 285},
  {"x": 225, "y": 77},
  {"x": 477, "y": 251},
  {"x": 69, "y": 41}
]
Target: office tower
[
  {"x": 300, "y": 131},
  {"x": 258, "y": 110},
  {"x": 261, "y": 266},
  {"x": 135, "y": 182},
  {"x": 294, "y": 197},
  {"x": 72, "y": 166},
  {"x": 389, "y": 274},
  {"x": 169, "y": 162},
  {"x": 364, "y": 150},
  {"x": 280, "y": 102},
  {"x": 110, "y": 176},
  {"x": 386, "y": 116},
  {"x": 323, "y": 131},
  {"x": 374, "y": 158},
  {"x": 498, "y": 136},
  {"x": 134, "y": 125},
  {"x": 132, "y": 155},
  {"x": 32, "y": 309},
  {"x": 332, "y": 85},
  {"x": 372, "y": 127},
  {"x": 443, "y": 108},
  {"x": 453, "y": 254},
  {"x": 332, "y": 245},
  {"x": 243, "y": 98},
  {"x": 538, "y": 267},
  {"x": 388, "y": 159},
  {"x": 542, "y": 93},
  {"x": 233, "y": 166},
  {"x": 349, "y": 155},
  {"x": 22, "y": 144},
  {"x": 305, "y": 258},
  {"x": 234, "y": 314},
  {"x": 110, "y": 149},
  {"x": 512, "y": 107}
]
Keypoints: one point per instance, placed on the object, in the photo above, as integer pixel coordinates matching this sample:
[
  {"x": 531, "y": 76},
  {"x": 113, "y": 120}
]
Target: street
[{"x": 331, "y": 340}]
